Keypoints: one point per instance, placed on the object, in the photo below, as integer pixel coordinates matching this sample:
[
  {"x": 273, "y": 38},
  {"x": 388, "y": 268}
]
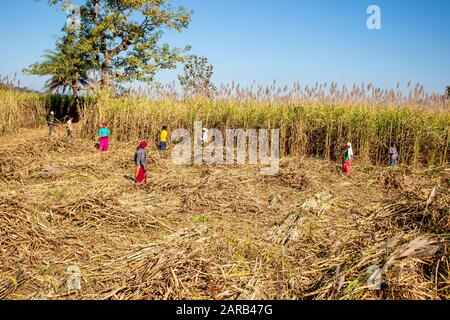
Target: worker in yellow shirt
[{"x": 163, "y": 140}]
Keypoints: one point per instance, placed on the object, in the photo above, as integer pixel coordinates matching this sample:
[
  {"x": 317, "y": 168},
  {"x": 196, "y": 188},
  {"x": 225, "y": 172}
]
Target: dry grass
[{"x": 214, "y": 232}]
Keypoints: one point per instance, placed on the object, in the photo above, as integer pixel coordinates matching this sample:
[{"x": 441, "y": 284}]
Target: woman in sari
[
  {"x": 348, "y": 158},
  {"x": 140, "y": 159}
]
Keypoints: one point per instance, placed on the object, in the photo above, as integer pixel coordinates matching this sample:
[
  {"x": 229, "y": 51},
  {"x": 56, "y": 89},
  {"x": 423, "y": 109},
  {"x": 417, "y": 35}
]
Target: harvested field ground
[{"x": 215, "y": 232}]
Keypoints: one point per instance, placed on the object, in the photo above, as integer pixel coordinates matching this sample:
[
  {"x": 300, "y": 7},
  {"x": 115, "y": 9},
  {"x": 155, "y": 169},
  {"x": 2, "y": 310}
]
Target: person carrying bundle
[
  {"x": 140, "y": 159},
  {"x": 348, "y": 158}
]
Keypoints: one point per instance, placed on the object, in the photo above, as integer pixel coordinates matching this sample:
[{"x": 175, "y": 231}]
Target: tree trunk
[
  {"x": 105, "y": 81},
  {"x": 76, "y": 100},
  {"x": 102, "y": 49}
]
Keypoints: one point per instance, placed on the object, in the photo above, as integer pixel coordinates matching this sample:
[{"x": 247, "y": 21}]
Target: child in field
[
  {"x": 163, "y": 139},
  {"x": 393, "y": 155},
  {"x": 104, "y": 134},
  {"x": 69, "y": 127},
  {"x": 140, "y": 159},
  {"x": 51, "y": 123},
  {"x": 348, "y": 158}
]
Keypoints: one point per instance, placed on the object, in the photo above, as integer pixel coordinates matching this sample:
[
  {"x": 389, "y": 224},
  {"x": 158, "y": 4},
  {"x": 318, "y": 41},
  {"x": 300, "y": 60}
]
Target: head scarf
[
  {"x": 350, "y": 149},
  {"x": 143, "y": 144}
]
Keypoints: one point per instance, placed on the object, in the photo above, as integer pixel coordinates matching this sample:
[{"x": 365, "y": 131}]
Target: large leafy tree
[
  {"x": 197, "y": 78},
  {"x": 123, "y": 37}
]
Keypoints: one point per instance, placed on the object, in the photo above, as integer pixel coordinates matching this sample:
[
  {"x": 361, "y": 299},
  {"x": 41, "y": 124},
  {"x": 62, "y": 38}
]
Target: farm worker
[
  {"x": 104, "y": 134},
  {"x": 348, "y": 157},
  {"x": 140, "y": 159},
  {"x": 393, "y": 155},
  {"x": 51, "y": 123},
  {"x": 205, "y": 136},
  {"x": 69, "y": 127},
  {"x": 163, "y": 139}
]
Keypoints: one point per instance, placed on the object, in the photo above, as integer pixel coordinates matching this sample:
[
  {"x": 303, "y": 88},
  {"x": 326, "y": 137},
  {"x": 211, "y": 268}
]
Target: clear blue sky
[{"x": 287, "y": 40}]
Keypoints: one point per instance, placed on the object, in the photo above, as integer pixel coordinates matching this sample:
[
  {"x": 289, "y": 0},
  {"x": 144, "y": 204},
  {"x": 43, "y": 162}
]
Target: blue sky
[{"x": 286, "y": 40}]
